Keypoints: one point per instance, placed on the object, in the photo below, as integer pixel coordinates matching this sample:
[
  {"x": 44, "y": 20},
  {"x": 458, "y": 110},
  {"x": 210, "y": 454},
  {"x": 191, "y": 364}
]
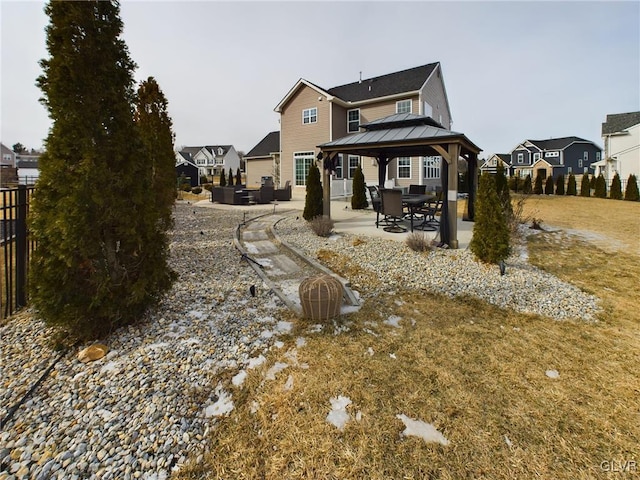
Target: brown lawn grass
[{"x": 474, "y": 371}]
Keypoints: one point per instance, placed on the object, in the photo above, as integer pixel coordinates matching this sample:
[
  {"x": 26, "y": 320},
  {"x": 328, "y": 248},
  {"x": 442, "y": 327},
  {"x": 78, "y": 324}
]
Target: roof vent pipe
[{"x": 360, "y": 81}]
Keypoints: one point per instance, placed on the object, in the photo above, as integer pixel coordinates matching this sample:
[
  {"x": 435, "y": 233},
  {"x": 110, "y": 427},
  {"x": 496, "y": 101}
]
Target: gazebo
[{"x": 408, "y": 135}]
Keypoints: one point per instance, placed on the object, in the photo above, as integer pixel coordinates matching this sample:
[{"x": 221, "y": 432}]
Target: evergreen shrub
[
  {"x": 560, "y": 185},
  {"x": 223, "y": 179},
  {"x": 631, "y": 192},
  {"x": 526, "y": 186},
  {"x": 616, "y": 188},
  {"x": 585, "y": 186},
  {"x": 359, "y": 197},
  {"x": 491, "y": 240},
  {"x": 601, "y": 187},
  {"x": 571, "y": 185},
  {"x": 230, "y": 177},
  {"x": 548, "y": 186},
  {"x": 313, "y": 198},
  {"x": 537, "y": 188},
  {"x": 238, "y": 177}
]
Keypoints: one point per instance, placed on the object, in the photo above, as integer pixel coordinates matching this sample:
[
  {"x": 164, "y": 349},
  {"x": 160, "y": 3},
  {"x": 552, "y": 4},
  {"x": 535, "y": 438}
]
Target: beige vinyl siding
[
  {"x": 258, "y": 168},
  {"x": 433, "y": 93},
  {"x": 295, "y": 136},
  {"x": 339, "y": 122}
]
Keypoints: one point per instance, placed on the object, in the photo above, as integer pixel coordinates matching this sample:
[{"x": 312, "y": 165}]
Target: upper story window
[
  {"x": 551, "y": 154},
  {"x": 403, "y": 106},
  {"x": 404, "y": 167},
  {"x": 310, "y": 115},
  {"x": 579, "y": 163},
  {"x": 521, "y": 158},
  {"x": 220, "y": 151},
  {"x": 597, "y": 156},
  {"x": 353, "y": 120},
  {"x": 585, "y": 156},
  {"x": 536, "y": 156},
  {"x": 338, "y": 170}
]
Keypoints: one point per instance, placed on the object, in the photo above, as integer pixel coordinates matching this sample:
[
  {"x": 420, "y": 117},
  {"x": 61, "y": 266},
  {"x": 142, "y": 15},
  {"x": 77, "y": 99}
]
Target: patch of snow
[
  {"x": 284, "y": 327},
  {"x": 370, "y": 351},
  {"x": 338, "y": 416},
  {"x": 266, "y": 334},
  {"x": 278, "y": 344},
  {"x": 196, "y": 314},
  {"x": 223, "y": 406},
  {"x": 267, "y": 319},
  {"x": 238, "y": 379},
  {"x": 508, "y": 442},
  {"x": 251, "y": 248},
  {"x": 393, "y": 355},
  {"x": 370, "y": 332},
  {"x": 256, "y": 362},
  {"x": 358, "y": 416},
  {"x": 393, "y": 321},
  {"x": 301, "y": 342},
  {"x": 288, "y": 384},
  {"x": 255, "y": 406},
  {"x": 398, "y": 302},
  {"x": 345, "y": 309},
  {"x": 552, "y": 374},
  {"x": 275, "y": 369},
  {"x": 317, "y": 328},
  {"x": 111, "y": 367},
  {"x": 426, "y": 431}
]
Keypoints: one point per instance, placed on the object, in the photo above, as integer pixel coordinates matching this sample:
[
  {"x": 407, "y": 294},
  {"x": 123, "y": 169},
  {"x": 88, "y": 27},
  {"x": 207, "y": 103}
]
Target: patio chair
[
  {"x": 376, "y": 202},
  {"x": 429, "y": 212},
  {"x": 393, "y": 210}
]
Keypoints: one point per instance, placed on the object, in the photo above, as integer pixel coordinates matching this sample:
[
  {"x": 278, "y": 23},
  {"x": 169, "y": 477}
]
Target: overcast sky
[{"x": 512, "y": 70}]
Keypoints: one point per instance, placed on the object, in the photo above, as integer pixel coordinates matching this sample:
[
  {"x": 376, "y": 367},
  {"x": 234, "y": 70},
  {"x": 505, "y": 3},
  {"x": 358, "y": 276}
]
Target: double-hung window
[
  {"x": 432, "y": 167},
  {"x": 309, "y": 115},
  {"x": 521, "y": 158},
  {"x": 404, "y": 167},
  {"x": 353, "y": 120},
  {"x": 338, "y": 170},
  {"x": 403, "y": 106},
  {"x": 302, "y": 162},
  {"x": 354, "y": 163}
]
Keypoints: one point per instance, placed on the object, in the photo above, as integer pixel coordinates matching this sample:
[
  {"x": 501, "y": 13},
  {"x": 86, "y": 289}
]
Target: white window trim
[
  {"x": 536, "y": 156},
  {"x": 349, "y": 158},
  {"x": 351, "y": 121},
  {"x": 301, "y": 156},
  {"x": 520, "y": 158},
  {"x": 405, "y": 101},
  {"x": 312, "y": 118},
  {"x": 404, "y": 166}
]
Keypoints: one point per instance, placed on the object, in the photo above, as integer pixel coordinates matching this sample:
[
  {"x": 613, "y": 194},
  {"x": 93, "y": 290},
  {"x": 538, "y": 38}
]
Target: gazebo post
[
  {"x": 452, "y": 194},
  {"x": 326, "y": 186},
  {"x": 382, "y": 169}
]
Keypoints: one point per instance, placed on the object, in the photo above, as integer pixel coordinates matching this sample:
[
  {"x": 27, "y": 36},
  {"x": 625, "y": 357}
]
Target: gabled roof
[
  {"x": 294, "y": 89},
  {"x": 214, "y": 149},
  {"x": 266, "y": 146},
  {"x": 410, "y": 80},
  {"x": 617, "y": 122},
  {"x": 27, "y": 164},
  {"x": 557, "y": 143},
  {"x": 6, "y": 150}
]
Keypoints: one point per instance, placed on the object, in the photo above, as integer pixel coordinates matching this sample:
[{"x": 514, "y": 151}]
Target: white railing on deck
[{"x": 341, "y": 188}]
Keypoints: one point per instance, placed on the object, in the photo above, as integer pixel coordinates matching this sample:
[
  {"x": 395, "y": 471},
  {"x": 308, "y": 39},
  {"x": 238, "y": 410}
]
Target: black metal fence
[{"x": 16, "y": 248}]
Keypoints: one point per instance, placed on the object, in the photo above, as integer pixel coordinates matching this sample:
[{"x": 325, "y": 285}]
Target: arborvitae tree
[
  {"x": 515, "y": 184},
  {"x": 313, "y": 199},
  {"x": 238, "y": 177},
  {"x": 537, "y": 188},
  {"x": 526, "y": 186},
  {"x": 585, "y": 186},
  {"x": 548, "y": 186},
  {"x": 502, "y": 189},
  {"x": 359, "y": 197},
  {"x": 230, "y": 177},
  {"x": 571, "y": 185},
  {"x": 601, "y": 187},
  {"x": 616, "y": 188},
  {"x": 223, "y": 178},
  {"x": 592, "y": 182},
  {"x": 490, "y": 241},
  {"x": 631, "y": 192},
  {"x": 156, "y": 132},
  {"x": 92, "y": 217},
  {"x": 560, "y": 185}
]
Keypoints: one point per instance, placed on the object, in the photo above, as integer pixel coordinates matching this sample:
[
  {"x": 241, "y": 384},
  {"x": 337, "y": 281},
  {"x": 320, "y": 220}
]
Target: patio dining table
[{"x": 413, "y": 202}]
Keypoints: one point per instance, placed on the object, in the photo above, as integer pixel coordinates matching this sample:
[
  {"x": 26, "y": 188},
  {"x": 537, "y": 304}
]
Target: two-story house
[
  {"x": 263, "y": 160},
  {"x": 554, "y": 157},
  {"x": 496, "y": 160},
  {"x": 210, "y": 159},
  {"x": 621, "y": 138},
  {"x": 8, "y": 171},
  {"x": 311, "y": 115}
]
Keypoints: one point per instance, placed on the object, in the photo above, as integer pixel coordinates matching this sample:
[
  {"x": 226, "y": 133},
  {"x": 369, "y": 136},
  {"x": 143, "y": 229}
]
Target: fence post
[{"x": 21, "y": 247}]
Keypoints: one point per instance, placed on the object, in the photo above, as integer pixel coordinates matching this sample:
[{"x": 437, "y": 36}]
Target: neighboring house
[
  {"x": 621, "y": 138},
  {"x": 28, "y": 171},
  {"x": 211, "y": 159},
  {"x": 189, "y": 170},
  {"x": 263, "y": 160},
  {"x": 311, "y": 115},
  {"x": 8, "y": 157},
  {"x": 554, "y": 157},
  {"x": 491, "y": 165}
]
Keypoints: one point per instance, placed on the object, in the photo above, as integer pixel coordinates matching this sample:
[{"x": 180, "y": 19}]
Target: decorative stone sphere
[{"x": 321, "y": 297}]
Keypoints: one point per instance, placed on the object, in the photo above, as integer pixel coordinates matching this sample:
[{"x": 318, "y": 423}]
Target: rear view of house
[{"x": 311, "y": 115}]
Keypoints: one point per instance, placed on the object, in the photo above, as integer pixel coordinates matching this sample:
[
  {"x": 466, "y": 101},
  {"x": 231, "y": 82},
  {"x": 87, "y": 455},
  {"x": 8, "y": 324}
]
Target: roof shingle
[{"x": 616, "y": 122}]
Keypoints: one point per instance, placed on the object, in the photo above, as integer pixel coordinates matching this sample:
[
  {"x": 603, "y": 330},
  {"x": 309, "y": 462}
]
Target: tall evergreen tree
[
  {"x": 490, "y": 241},
  {"x": 571, "y": 185},
  {"x": 631, "y": 192},
  {"x": 359, "y": 197},
  {"x": 537, "y": 188},
  {"x": 313, "y": 199},
  {"x": 223, "y": 178},
  {"x": 601, "y": 187},
  {"x": 230, "y": 177},
  {"x": 526, "y": 186},
  {"x": 560, "y": 185},
  {"x": 238, "y": 177},
  {"x": 585, "y": 186},
  {"x": 93, "y": 269},
  {"x": 502, "y": 189},
  {"x": 616, "y": 188},
  {"x": 548, "y": 186}
]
